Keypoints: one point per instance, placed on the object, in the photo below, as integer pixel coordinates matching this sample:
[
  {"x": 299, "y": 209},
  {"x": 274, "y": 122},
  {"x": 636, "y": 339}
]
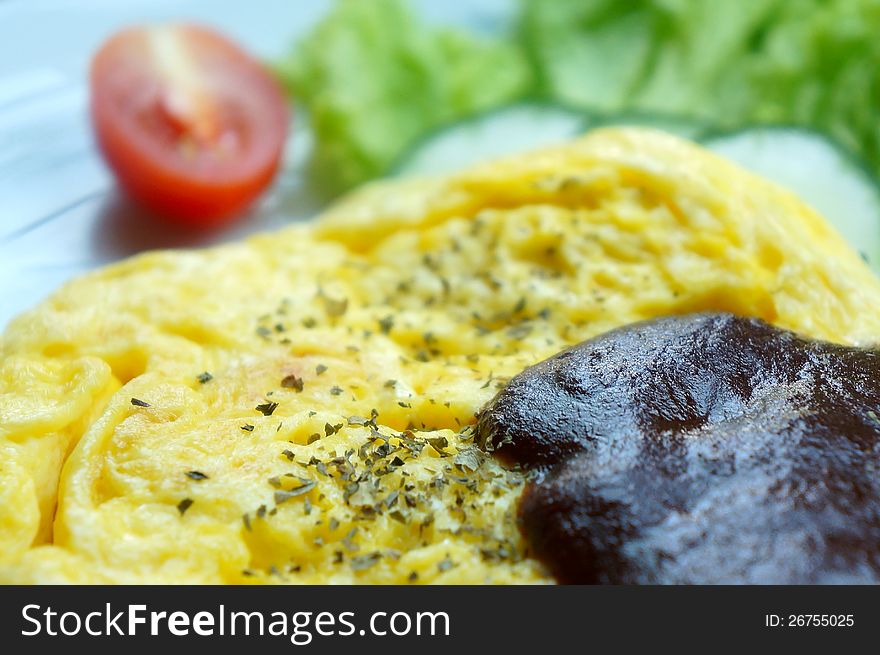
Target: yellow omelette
[{"x": 298, "y": 407}]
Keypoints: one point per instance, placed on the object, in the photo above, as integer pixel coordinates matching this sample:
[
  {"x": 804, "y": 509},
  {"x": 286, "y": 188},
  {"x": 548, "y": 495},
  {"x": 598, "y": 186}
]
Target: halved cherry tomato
[{"x": 192, "y": 126}]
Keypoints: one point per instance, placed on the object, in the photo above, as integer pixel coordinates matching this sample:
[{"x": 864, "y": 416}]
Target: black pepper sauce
[{"x": 697, "y": 449}]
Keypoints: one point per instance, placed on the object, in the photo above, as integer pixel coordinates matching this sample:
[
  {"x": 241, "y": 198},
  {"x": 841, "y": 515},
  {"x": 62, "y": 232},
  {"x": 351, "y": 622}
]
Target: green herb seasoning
[
  {"x": 363, "y": 562},
  {"x": 386, "y": 324},
  {"x": 267, "y": 408},
  {"x": 283, "y": 495},
  {"x": 292, "y": 382}
]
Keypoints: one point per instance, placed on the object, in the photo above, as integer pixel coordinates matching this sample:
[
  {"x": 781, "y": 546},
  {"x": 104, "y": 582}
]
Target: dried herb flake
[
  {"x": 285, "y": 495},
  {"x": 292, "y": 382},
  {"x": 266, "y": 408},
  {"x": 363, "y": 562}
]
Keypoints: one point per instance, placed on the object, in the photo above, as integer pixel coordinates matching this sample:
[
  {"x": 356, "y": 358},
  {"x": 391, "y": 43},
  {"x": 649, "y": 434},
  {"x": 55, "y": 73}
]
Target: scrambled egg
[{"x": 297, "y": 407}]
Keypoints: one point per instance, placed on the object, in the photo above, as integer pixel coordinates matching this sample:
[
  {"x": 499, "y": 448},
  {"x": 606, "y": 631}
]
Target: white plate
[{"x": 60, "y": 213}]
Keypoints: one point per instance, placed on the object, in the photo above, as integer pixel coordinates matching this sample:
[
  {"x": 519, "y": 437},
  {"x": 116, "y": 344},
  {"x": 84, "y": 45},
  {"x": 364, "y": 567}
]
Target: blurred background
[
  {"x": 371, "y": 82},
  {"x": 60, "y": 212}
]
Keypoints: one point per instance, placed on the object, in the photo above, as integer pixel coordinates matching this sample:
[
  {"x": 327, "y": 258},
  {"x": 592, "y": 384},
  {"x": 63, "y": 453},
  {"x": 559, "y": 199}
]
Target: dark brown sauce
[{"x": 697, "y": 449}]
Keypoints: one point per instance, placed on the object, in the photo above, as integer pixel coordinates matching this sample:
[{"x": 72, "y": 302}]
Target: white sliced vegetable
[{"x": 502, "y": 132}]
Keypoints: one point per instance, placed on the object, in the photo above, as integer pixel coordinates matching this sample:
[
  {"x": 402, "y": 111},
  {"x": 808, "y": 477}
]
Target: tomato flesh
[{"x": 190, "y": 124}]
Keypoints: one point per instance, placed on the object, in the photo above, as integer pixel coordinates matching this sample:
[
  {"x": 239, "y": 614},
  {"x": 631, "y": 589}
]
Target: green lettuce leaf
[
  {"x": 374, "y": 78},
  {"x": 814, "y": 63}
]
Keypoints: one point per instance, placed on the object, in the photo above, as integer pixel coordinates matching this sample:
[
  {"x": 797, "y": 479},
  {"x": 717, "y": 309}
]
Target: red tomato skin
[{"x": 147, "y": 168}]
